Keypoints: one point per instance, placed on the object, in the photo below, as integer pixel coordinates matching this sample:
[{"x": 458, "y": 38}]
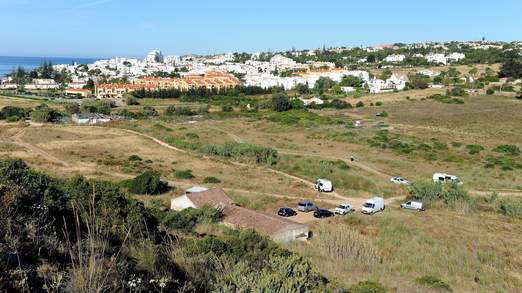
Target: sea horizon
[{"x": 10, "y": 63}]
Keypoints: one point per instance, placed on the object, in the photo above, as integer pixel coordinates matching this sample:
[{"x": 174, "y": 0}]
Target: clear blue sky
[{"x": 106, "y": 28}]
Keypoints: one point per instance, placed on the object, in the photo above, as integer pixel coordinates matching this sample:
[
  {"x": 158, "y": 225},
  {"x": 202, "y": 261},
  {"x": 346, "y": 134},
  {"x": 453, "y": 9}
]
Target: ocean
[{"x": 8, "y": 63}]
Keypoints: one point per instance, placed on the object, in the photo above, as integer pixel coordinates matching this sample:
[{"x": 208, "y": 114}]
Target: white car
[
  {"x": 400, "y": 181},
  {"x": 413, "y": 205},
  {"x": 344, "y": 209}
]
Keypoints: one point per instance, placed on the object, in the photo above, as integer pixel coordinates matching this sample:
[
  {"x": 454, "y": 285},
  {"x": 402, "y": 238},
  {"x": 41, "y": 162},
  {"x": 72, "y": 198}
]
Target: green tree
[
  {"x": 72, "y": 108},
  {"x": 280, "y": 102},
  {"x": 386, "y": 73},
  {"x": 352, "y": 81},
  {"x": 323, "y": 84},
  {"x": 44, "y": 114},
  {"x": 148, "y": 182},
  {"x": 302, "y": 88}
]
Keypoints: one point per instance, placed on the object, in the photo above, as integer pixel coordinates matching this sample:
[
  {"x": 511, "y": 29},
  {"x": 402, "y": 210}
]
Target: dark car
[
  {"x": 286, "y": 212},
  {"x": 322, "y": 213}
]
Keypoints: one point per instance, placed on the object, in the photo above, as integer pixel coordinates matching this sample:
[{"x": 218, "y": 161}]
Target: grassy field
[{"x": 477, "y": 251}]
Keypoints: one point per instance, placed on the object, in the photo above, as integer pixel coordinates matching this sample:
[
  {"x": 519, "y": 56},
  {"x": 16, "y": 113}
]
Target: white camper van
[
  {"x": 444, "y": 178},
  {"x": 373, "y": 205},
  {"x": 324, "y": 185}
]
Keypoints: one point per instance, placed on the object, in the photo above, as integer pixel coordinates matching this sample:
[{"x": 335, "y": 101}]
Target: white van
[
  {"x": 444, "y": 178},
  {"x": 373, "y": 205},
  {"x": 413, "y": 205},
  {"x": 324, "y": 185}
]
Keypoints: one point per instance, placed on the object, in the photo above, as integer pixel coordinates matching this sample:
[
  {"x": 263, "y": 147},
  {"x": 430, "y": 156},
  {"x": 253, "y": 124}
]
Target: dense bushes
[
  {"x": 43, "y": 113},
  {"x": 148, "y": 182},
  {"x": 243, "y": 152},
  {"x": 46, "y": 224},
  {"x": 446, "y": 99},
  {"x": 12, "y": 113},
  {"x": 184, "y": 174},
  {"x": 79, "y": 235},
  {"x": 511, "y": 207},
  {"x": 433, "y": 282},
  {"x": 237, "y": 151},
  {"x": 200, "y": 92},
  {"x": 511, "y": 150},
  {"x": 281, "y": 102},
  {"x": 450, "y": 194},
  {"x": 186, "y": 220},
  {"x": 211, "y": 180},
  {"x": 367, "y": 287},
  {"x": 97, "y": 106}
]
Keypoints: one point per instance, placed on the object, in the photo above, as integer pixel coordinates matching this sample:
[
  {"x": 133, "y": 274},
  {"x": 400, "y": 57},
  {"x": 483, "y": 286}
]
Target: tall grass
[
  {"x": 92, "y": 261},
  {"x": 342, "y": 244}
]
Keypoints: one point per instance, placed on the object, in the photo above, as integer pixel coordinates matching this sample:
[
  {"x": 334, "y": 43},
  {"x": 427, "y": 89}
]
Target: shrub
[
  {"x": 132, "y": 101},
  {"x": 378, "y": 104},
  {"x": 97, "y": 106},
  {"x": 227, "y": 108},
  {"x": 430, "y": 192},
  {"x": 506, "y": 163},
  {"x": 148, "y": 182},
  {"x": 11, "y": 111},
  {"x": 446, "y": 99},
  {"x": 211, "y": 180},
  {"x": 359, "y": 104},
  {"x": 511, "y": 207},
  {"x": 134, "y": 158},
  {"x": 456, "y": 144},
  {"x": 280, "y": 102},
  {"x": 474, "y": 149},
  {"x": 186, "y": 174},
  {"x": 458, "y": 92},
  {"x": 192, "y": 135},
  {"x": 187, "y": 219},
  {"x": 490, "y": 91},
  {"x": 367, "y": 287},
  {"x": 433, "y": 282},
  {"x": 179, "y": 111},
  {"x": 44, "y": 114},
  {"x": 72, "y": 108},
  {"x": 511, "y": 150}
]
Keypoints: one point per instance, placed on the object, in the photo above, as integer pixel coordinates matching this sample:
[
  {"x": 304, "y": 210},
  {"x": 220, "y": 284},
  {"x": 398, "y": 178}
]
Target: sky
[{"x": 109, "y": 28}]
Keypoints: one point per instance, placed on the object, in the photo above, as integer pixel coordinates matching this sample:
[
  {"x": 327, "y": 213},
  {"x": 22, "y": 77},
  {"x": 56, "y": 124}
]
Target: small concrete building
[{"x": 277, "y": 228}]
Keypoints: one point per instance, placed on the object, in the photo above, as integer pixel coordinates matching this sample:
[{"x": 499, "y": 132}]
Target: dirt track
[{"x": 17, "y": 139}]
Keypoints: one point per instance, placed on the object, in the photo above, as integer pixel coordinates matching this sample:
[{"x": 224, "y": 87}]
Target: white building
[
  {"x": 282, "y": 60},
  {"x": 437, "y": 58},
  {"x": 154, "y": 56},
  {"x": 394, "y": 83},
  {"x": 428, "y": 72},
  {"x": 395, "y": 58},
  {"x": 455, "y": 57},
  {"x": 277, "y": 228}
]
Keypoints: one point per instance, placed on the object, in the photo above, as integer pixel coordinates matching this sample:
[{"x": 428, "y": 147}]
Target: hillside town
[{"x": 113, "y": 78}]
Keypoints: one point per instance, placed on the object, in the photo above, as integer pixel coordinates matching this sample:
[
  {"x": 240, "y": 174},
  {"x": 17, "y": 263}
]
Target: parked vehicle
[
  {"x": 286, "y": 212},
  {"x": 323, "y": 213},
  {"x": 324, "y": 185},
  {"x": 306, "y": 206},
  {"x": 373, "y": 205},
  {"x": 413, "y": 205},
  {"x": 399, "y": 180},
  {"x": 444, "y": 178},
  {"x": 344, "y": 209}
]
